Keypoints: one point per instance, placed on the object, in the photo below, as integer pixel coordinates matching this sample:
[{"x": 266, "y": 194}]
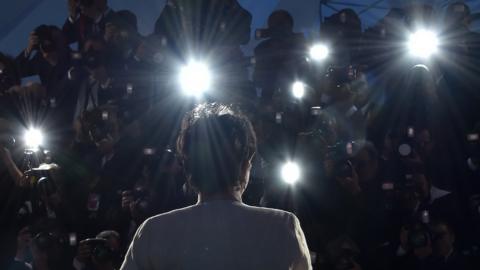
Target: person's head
[
  {"x": 342, "y": 253},
  {"x": 105, "y": 249},
  {"x": 443, "y": 238},
  {"x": 280, "y": 22},
  {"x": 458, "y": 14},
  {"x": 93, "y": 8},
  {"x": 112, "y": 237},
  {"x": 123, "y": 22},
  {"x": 216, "y": 145},
  {"x": 47, "y": 251},
  {"x": 424, "y": 142},
  {"x": 52, "y": 43},
  {"x": 94, "y": 52}
]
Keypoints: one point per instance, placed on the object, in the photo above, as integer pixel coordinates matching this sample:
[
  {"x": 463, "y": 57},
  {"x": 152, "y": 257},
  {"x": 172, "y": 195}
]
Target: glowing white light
[
  {"x": 290, "y": 173},
  {"x": 405, "y": 149},
  {"x": 195, "y": 78},
  {"x": 33, "y": 139},
  {"x": 298, "y": 90},
  {"x": 423, "y": 43},
  {"x": 319, "y": 52}
]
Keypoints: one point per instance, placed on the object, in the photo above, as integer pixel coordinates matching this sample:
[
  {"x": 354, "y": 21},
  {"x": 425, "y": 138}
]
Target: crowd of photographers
[{"x": 379, "y": 139}]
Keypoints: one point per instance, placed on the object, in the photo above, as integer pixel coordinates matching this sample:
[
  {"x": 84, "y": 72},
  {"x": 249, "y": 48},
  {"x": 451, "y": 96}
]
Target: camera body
[
  {"x": 46, "y": 42},
  {"x": 342, "y": 153},
  {"x": 100, "y": 123},
  {"x": 341, "y": 75},
  {"x": 101, "y": 252}
]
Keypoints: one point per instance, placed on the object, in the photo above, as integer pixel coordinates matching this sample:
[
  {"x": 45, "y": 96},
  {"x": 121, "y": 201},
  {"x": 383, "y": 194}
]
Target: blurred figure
[
  {"x": 48, "y": 56},
  {"x": 344, "y": 31},
  {"x": 416, "y": 251},
  {"x": 217, "y": 162},
  {"x": 343, "y": 254},
  {"x": 446, "y": 254},
  {"x": 279, "y": 58},
  {"x": 86, "y": 19},
  {"x": 100, "y": 253},
  {"x": 9, "y": 79},
  {"x": 48, "y": 253}
]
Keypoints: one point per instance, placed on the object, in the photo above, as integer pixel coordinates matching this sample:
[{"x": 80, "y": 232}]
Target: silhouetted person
[{"x": 216, "y": 146}]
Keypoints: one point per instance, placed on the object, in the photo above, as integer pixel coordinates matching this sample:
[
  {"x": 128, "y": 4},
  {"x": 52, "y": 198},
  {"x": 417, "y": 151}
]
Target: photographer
[
  {"x": 110, "y": 157},
  {"x": 40, "y": 193},
  {"x": 416, "y": 250},
  {"x": 447, "y": 257},
  {"x": 127, "y": 63},
  {"x": 86, "y": 19},
  {"x": 92, "y": 71},
  {"x": 204, "y": 24},
  {"x": 280, "y": 58},
  {"x": 99, "y": 253},
  {"x": 48, "y": 251},
  {"x": 343, "y": 30},
  {"x": 48, "y": 56}
]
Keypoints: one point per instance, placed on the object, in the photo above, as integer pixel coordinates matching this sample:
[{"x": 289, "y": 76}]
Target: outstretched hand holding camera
[{"x": 33, "y": 42}]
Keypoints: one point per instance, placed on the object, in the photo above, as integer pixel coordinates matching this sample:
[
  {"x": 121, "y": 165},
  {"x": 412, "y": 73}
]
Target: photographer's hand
[
  {"x": 127, "y": 200},
  {"x": 33, "y": 41},
  {"x": 24, "y": 238},
  {"x": 84, "y": 252}
]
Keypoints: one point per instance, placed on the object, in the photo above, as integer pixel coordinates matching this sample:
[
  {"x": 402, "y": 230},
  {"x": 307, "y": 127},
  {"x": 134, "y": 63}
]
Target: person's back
[
  {"x": 220, "y": 235},
  {"x": 216, "y": 146}
]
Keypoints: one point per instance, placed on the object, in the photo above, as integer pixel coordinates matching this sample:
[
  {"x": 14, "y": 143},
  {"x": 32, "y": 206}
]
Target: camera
[
  {"x": 41, "y": 172},
  {"x": 46, "y": 41},
  {"x": 101, "y": 252},
  {"x": 47, "y": 241},
  {"x": 419, "y": 235},
  {"x": 98, "y": 123},
  {"x": 341, "y": 75},
  {"x": 46, "y": 186},
  {"x": 341, "y": 153}
]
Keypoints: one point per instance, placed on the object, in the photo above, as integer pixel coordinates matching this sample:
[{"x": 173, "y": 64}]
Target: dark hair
[
  {"x": 215, "y": 143},
  {"x": 280, "y": 18}
]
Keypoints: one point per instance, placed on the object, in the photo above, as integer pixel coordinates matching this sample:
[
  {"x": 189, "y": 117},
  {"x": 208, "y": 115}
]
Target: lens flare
[
  {"x": 298, "y": 90},
  {"x": 423, "y": 43},
  {"x": 195, "y": 78},
  {"x": 290, "y": 173},
  {"x": 319, "y": 52},
  {"x": 33, "y": 139}
]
